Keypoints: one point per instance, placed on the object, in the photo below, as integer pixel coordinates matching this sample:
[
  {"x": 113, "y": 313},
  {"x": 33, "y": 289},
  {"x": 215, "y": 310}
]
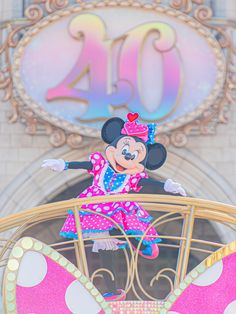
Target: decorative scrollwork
[
  {"x": 206, "y": 124},
  {"x": 54, "y": 5},
  {"x": 163, "y": 139},
  {"x": 101, "y": 270},
  {"x": 34, "y": 12},
  {"x": 6, "y": 83},
  {"x": 203, "y": 13},
  {"x": 30, "y": 120},
  {"x": 4, "y": 79},
  {"x": 34, "y": 125},
  {"x": 185, "y": 5},
  {"x": 57, "y": 138},
  {"x": 178, "y": 138},
  {"x": 74, "y": 140},
  {"x": 161, "y": 274}
]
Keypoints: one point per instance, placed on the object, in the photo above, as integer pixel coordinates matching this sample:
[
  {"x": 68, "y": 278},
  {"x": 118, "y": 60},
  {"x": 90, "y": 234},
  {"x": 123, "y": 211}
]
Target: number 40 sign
[
  {"x": 95, "y": 60},
  {"x": 81, "y": 69}
]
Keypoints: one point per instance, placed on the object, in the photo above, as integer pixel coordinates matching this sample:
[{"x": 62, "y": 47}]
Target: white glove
[
  {"x": 174, "y": 187},
  {"x": 57, "y": 165}
]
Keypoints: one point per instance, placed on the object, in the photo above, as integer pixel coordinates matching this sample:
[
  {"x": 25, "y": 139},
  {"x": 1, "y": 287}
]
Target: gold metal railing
[{"x": 167, "y": 210}]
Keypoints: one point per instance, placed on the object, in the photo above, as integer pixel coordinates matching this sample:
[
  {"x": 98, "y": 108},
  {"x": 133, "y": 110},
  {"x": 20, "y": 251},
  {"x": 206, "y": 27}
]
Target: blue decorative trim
[
  {"x": 123, "y": 246},
  {"x": 66, "y": 165},
  {"x": 148, "y": 219},
  {"x": 109, "y": 294},
  {"x": 96, "y": 231},
  {"x": 82, "y": 213},
  {"x": 72, "y": 235},
  {"x": 68, "y": 235},
  {"x": 151, "y": 133}
]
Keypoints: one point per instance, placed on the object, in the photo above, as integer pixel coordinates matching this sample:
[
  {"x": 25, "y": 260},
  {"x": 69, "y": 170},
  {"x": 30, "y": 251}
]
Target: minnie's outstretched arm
[
  {"x": 79, "y": 165},
  {"x": 59, "y": 165},
  {"x": 169, "y": 187}
]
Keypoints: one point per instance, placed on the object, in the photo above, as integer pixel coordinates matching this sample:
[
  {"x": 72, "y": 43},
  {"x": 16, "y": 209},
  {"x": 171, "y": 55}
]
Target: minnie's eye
[
  {"x": 125, "y": 150},
  {"x": 134, "y": 155}
]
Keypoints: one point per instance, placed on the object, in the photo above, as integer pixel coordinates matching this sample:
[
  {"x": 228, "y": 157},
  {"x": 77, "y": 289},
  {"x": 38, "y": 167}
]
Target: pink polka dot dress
[{"x": 130, "y": 216}]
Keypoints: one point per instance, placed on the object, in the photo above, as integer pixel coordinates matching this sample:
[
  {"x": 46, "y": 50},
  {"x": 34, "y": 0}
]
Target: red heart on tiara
[{"x": 132, "y": 116}]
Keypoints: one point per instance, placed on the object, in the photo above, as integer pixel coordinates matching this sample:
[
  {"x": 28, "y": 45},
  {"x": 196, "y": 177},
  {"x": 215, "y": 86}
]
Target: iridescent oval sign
[{"x": 77, "y": 68}]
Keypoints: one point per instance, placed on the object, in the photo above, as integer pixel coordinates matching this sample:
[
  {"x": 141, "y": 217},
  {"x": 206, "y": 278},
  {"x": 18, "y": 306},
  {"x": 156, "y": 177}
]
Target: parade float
[
  {"x": 60, "y": 277},
  {"x": 72, "y": 68}
]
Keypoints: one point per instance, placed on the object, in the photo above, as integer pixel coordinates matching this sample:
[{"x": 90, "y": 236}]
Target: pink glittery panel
[
  {"x": 48, "y": 296},
  {"x": 136, "y": 307},
  {"x": 211, "y": 299}
]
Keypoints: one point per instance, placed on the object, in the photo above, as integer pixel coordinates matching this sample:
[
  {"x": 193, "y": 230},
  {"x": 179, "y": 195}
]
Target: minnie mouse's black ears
[
  {"x": 156, "y": 156},
  {"x": 112, "y": 129}
]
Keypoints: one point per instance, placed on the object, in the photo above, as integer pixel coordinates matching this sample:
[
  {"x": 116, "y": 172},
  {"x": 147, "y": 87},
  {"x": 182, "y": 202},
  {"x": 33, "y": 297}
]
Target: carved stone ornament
[{"x": 68, "y": 111}]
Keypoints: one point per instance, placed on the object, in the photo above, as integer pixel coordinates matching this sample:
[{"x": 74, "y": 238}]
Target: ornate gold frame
[{"x": 206, "y": 118}]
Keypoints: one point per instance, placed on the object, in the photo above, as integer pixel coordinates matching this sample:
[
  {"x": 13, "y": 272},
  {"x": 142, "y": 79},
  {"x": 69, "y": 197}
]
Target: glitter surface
[
  {"x": 213, "y": 292},
  {"x": 55, "y": 294}
]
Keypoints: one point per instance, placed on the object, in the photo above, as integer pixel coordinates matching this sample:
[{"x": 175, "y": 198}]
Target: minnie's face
[{"x": 127, "y": 156}]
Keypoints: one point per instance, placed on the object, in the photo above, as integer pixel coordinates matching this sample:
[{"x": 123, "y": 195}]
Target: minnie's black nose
[{"x": 128, "y": 156}]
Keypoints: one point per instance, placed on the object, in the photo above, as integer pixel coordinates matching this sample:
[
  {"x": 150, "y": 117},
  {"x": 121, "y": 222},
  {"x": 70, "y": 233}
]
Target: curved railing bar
[{"x": 204, "y": 209}]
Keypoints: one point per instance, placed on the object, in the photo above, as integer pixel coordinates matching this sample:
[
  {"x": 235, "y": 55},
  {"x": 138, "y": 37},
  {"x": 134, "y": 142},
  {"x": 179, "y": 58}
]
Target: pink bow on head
[{"x": 132, "y": 128}]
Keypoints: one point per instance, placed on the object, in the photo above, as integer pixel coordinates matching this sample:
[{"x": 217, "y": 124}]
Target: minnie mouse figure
[{"x": 131, "y": 150}]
